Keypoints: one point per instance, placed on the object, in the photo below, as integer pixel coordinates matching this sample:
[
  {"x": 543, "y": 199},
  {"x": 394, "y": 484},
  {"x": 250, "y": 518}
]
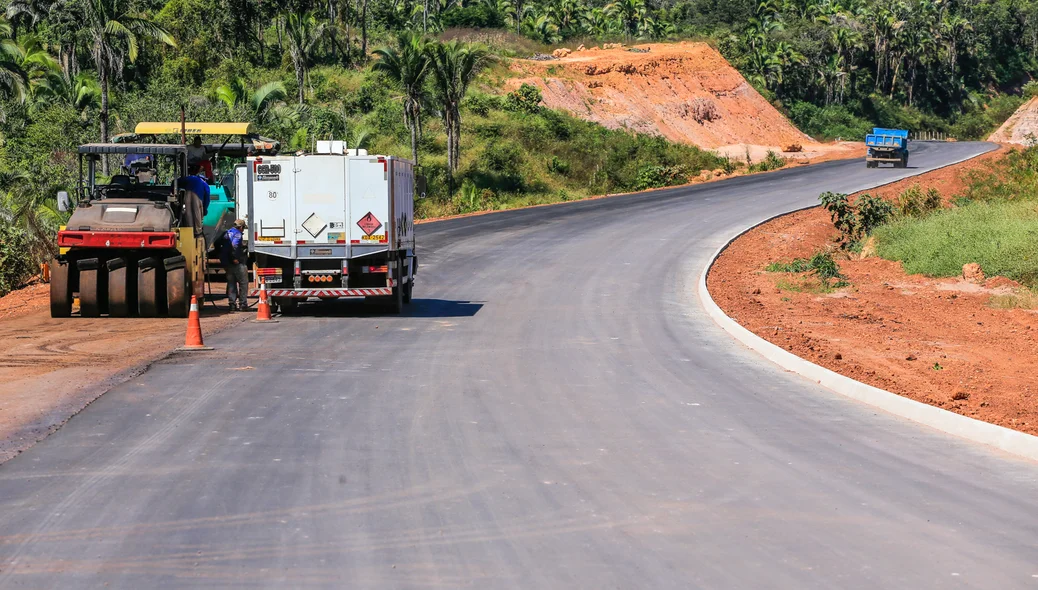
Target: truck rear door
[
  {"x": 369, "y": 204},
  {"x": 272, "y": 204},
  {"x": 320, "y": 206}
]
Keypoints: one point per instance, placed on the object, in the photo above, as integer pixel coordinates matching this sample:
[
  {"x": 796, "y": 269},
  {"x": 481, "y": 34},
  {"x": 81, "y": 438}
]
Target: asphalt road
[{"x": 555, "y": 411}]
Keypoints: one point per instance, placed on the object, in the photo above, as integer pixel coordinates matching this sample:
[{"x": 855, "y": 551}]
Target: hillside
[
  {"x": 686, "y": 92},
  {"x": 1020, "y": 128}
]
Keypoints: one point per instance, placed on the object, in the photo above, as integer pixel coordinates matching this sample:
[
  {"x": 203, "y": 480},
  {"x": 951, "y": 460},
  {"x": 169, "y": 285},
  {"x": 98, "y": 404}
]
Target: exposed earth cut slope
[
  {"x": 686, "y": 92},
  {"x": 1021, "y": 128}
]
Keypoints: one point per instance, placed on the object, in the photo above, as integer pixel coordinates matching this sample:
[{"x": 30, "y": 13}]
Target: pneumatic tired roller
[{"x": 134, "y": 245}]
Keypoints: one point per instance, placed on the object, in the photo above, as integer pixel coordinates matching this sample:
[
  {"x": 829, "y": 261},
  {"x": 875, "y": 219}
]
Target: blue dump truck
[{"x": 887, "y": 145}]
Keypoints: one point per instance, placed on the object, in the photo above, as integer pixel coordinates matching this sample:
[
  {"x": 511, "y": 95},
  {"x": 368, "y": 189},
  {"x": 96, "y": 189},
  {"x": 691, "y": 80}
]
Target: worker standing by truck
[{"x": 233, "y": 257}]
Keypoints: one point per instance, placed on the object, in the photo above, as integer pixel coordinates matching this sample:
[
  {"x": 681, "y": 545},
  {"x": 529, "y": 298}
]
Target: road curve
[{"x": 555, "y": 411}]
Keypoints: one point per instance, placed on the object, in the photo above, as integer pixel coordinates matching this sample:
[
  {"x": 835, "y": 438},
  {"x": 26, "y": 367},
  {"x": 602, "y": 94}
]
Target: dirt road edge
[{"x": 1001, "y": 438}]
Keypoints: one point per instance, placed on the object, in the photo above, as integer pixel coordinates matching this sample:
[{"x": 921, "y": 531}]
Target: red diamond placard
[{"x": 369, "y": 223}]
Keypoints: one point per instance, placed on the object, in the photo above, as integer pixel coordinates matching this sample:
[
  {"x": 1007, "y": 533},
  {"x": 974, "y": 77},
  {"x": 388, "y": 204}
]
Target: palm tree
[
  {"x": 455, "y": 65},
  {"x": 541, "y": 28},
  {"x": 14, "y": 82},
  {"x": 35, "y": 210},
  {"x": 304, "y": 31},
  {"x": 628, "y": 14},
  {"x": 235, "y": 94},
  {"x": 115, "y": 35},
  {"x": 409, "y": 66},
  {"x": 81, "y": 92}
]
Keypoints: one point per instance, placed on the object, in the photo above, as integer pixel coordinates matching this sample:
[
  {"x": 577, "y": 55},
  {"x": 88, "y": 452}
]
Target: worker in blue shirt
[
  {"x": 234, "y": 260},
  {"x": 195, "y": 209},
  {"x": 196, "y": 184}
]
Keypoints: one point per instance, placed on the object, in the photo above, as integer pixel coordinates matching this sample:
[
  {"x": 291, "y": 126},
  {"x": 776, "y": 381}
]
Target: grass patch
[
  {"x": 1001, "y": 236},
  {"x": 1021, "y": 299},
  {"x": 797, "y": 265}
]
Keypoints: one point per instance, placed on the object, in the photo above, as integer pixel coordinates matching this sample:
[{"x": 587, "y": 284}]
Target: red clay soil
[
  {"x": 1021, "y": 128},
  {"x": 933, "y": 340},
  {"x": 50, "y": 369},
  {"x": 658, "y": 91}
]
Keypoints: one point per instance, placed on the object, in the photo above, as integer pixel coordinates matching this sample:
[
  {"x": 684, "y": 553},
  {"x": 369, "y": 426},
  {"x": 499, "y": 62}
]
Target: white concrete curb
[{"x": 1004, "y": 439}]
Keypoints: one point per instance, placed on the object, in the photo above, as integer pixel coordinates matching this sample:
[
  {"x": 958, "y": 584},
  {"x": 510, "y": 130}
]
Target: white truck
[{"x": 332, "y": 224}]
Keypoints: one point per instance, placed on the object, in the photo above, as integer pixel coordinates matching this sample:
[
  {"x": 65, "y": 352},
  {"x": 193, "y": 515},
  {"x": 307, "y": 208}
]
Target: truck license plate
[{"x": 320, "y": 251}]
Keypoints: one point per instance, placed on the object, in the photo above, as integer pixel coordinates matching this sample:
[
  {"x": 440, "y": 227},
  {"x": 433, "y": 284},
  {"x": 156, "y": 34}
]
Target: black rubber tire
[
  {"x": 122, "y": 291},
  {"x": 395, "y": 302},
  {"x": 151, "y": 288},
  {"x": 904, "y": 161},
  {"x": 408, "y": 290},
  {"x": 92, "y": 287},
  {"x": 60, "y": 289},
  {"x": 178, "y": 292}
]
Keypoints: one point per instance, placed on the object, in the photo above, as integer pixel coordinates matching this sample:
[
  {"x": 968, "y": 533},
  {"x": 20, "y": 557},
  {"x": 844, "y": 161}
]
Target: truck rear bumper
[
  {"x": 307, "y": 293},
  {"x": 879, "y": 159}
]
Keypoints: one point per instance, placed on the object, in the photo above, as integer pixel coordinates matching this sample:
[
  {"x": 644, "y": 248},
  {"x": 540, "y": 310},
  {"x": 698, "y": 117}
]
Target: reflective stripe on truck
[{"x": 375, "y": 292}]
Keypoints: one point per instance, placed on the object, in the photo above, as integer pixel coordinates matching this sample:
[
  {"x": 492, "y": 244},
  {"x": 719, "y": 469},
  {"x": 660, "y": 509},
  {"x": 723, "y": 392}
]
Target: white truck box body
[{"x": 349, "y": 205}]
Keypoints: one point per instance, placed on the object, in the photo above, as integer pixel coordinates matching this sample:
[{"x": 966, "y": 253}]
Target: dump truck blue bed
[{"x": 887, "y": 145}]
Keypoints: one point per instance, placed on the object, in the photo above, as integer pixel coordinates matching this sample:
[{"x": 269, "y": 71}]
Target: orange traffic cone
[
  {"x": 193, "y": 339},
  {"x": 263, "y": 307}
]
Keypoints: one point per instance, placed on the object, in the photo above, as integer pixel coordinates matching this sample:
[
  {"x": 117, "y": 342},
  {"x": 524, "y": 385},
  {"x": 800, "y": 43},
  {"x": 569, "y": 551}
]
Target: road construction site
[{"x": 522, "y": 423}]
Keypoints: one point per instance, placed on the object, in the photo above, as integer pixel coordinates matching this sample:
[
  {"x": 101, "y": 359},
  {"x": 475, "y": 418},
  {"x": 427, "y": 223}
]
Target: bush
[
  {"x": 557, "y": 166},
  {"x": 829, "y": 122},
  {"x": 822, "y": 265},
  {"x": 873, "y": 212},
  {"x": 771, "y": 162},
  {"x": 482, "y": 104},
  {"x": 660, "y": 176},
  {"x": 914, "y": 203},
  {"x": 525, "y": 99},
  {"x": 840, "y": 212},
  {"x": 16, "y": 262}
]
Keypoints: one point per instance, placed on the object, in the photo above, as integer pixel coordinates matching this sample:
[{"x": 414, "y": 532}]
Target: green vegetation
[
  {"x": 994, "y": 223},
  {"x": 1001, "y": 236},
  {"x": 858, "y": 220},
  {"x": 821, "y": 265},
  {"x": 425, "y": 79}
]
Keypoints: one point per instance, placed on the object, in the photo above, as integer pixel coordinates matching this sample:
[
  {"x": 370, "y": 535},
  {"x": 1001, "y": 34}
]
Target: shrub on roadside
[{"x": 16, "y": 262}]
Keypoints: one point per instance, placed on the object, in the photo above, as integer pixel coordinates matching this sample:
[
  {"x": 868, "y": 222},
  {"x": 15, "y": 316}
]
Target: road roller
[{"x": 134, "y": 244}]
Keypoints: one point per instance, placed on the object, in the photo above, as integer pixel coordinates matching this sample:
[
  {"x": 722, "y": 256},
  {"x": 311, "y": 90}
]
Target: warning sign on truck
[{"x": 369, "y": 223}]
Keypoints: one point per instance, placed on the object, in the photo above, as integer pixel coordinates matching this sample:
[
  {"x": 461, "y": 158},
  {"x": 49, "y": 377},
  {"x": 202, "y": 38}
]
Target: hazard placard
[{"x": 369, "y": 224}]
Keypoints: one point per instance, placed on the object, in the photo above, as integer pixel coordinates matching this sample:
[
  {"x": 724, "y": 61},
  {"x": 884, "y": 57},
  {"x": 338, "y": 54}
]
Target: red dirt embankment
[
  {"x": 1020, "y": 128},
  {"x": 686, "y": 92},
  {"x": 937, "y": 341}
]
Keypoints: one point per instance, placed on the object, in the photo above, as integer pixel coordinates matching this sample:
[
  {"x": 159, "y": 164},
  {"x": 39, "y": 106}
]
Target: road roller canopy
[
  {"x": 161, "y": 149},
  {"x": 151, "y": 128}
]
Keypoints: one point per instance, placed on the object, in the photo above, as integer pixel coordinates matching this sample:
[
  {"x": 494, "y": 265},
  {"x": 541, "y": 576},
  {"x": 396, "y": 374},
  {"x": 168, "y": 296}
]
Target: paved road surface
[{"x": 555, "y": 412}]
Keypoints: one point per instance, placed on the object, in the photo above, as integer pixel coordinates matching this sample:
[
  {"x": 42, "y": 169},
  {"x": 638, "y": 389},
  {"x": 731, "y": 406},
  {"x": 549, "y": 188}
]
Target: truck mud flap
[
  {"x": 178, "y": 292},
  {"x": 60, "y": 289},
  {"x": 151, "y": 287},
  {"x": 93, "y": 287},
  {"x": 122, "y": 287}
]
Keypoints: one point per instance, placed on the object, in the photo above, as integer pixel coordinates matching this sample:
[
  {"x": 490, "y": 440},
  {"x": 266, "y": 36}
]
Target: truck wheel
[
  {"x": 395, "y": 303},
  {"x": 408, "y": 290},
  {"x": 60, "y": 290},
  {"x": 904, "y": 163}
]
